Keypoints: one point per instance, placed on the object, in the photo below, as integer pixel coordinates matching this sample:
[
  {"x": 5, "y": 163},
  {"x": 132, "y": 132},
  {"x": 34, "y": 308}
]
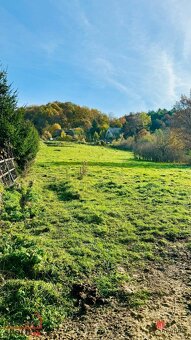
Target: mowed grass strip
[{"x": 87, "y": 214}]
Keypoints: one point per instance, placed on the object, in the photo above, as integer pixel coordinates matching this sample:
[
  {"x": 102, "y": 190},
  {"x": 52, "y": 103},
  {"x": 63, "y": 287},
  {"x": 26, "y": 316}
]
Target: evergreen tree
[
  {"x": 8, "y": 102},
  {"x": 15, "y": 131}
]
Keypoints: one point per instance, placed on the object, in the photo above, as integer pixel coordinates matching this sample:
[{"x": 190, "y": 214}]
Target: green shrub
[
  {"x": 26, "y": 145},
  {"x": 22, "y": 299},
  {"x": 124, "y": 144},
  {"x": 19, "y": 256},
  {"x": 11, "y": 205}
]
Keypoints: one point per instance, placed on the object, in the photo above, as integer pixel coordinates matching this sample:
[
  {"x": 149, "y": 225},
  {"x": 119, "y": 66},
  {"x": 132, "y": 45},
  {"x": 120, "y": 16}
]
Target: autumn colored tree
[
  {"x": 54, "y": 127},
  {"x": 182, "y": 120},
  {"x": 135, "y": 123},
  {"x": 162, "y": 146},
  {"x": 115, "y": 122},
  {"x": 67, "y": 115}
]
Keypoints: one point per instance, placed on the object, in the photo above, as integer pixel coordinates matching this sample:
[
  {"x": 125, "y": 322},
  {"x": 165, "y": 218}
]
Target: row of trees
[{"x": 15, "y": 130}]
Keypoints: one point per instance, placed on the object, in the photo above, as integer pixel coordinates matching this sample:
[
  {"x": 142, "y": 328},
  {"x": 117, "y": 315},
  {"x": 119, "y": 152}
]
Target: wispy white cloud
[
  {"x": 167, "y": 68},
  {"x": 160, "y": 78},
  {"x": 110, "y": 74},
  {"x": 179, "y": 14},
  {"x": 51, "y": 46},
  {"x": 84, "y": 20},
  {"x": 144, "y": 70},
  {"x": 139, "y": 51}
]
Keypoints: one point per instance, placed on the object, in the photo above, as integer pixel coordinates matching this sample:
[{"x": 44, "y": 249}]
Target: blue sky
[{"x": 118, "y": 56}]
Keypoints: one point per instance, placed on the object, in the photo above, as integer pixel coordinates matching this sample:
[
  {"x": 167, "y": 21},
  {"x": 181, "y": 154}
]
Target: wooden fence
[{"x": 8, "y": 173}]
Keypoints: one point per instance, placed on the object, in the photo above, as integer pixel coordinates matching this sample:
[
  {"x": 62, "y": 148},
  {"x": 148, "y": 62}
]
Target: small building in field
[{"x": 112, "y": 133}]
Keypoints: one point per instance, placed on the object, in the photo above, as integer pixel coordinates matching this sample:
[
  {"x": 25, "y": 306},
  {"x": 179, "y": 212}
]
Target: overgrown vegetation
[
  {"x": 86, "y": 215},
  {"x": 162, "y": 146},
  {"x": 167, "y": 139}
]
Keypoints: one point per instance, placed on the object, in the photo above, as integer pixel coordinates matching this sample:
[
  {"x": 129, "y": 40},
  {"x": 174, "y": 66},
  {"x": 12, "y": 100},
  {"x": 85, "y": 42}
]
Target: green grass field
[{"x": 86, "y": 214}]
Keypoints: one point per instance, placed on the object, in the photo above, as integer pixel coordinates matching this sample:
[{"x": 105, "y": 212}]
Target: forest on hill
[
  {"x": 161, "y": 135},
  {"x": 85, "y": 121}
]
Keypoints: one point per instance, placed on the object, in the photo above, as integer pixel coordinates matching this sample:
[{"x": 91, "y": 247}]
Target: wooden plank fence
[{"x": 8, "y": 173}]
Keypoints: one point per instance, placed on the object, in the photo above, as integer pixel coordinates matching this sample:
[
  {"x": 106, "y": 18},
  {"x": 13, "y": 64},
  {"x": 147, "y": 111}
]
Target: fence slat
[
  {"x": 7, "y": 159},
  {"x": 5, "y": 171}
]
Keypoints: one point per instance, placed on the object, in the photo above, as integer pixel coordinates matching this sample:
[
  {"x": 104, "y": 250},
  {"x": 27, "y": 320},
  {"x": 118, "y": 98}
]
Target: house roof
[{"x": 114, "y": 130}]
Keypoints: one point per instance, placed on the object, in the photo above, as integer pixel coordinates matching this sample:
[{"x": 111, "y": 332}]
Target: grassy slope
[{"x": 95, "y": 227}]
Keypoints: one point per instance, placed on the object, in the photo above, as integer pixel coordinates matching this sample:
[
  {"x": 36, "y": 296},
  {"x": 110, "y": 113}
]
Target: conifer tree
[{"x": 15, "y": 131}]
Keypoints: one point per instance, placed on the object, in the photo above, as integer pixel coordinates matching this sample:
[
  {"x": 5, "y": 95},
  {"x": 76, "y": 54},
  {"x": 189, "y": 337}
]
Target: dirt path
[{"x": 170, "y": 288}]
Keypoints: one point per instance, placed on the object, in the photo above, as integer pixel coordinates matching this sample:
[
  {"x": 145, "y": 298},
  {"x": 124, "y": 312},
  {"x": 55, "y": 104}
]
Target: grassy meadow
[{"x": 86, "y": 214}]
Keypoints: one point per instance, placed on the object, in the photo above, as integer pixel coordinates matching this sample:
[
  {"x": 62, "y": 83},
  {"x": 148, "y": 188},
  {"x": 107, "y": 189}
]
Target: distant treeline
[
  {"x": 161, "y": 135},
  {"x": 68, "y": 116}
]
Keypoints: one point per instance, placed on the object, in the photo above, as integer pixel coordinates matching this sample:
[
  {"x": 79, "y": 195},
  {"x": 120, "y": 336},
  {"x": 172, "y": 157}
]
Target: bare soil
[{"x": 169, "y": 283}]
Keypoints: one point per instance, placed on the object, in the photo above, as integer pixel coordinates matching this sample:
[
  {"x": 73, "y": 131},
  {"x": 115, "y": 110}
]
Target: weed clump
[
  {"x": 134, "y": 299},
  {"x": 22, "y": 299},
  {"x": 19, "y": 257},
  {"x": 19, "y": 203},
  {"x": 11, "y": 335},
  {"x": 83, "y": 170}
]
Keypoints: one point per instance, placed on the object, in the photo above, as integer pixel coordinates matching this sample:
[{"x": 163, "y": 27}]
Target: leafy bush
[
  {"x": 21, "y": 262},
  {"x": 12, "y": 210},
  {"x": 19, "y": 257},
  {"x": 20, "y": 295}
]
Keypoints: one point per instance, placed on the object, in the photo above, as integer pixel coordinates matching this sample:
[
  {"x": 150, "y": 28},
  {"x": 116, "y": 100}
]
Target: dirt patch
[
  {"x": 86, "y": 296},
  {"x": 169, "y": 284}
]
